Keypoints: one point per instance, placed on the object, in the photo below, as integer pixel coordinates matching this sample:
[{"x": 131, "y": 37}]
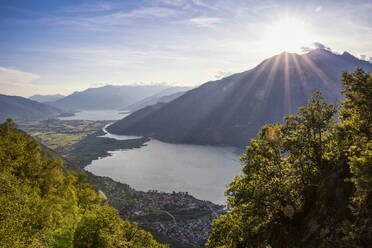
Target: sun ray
[
  {"x": 261, "y": 69},
  {"x": 246, "y": 87},
  {"x": 300, "y": 72},
  {"x": 303, "y": 80},
  {"x": 318, "y": 72},
  {"x": 270, "y": 78},
  {"x": 287, "y": 88}
]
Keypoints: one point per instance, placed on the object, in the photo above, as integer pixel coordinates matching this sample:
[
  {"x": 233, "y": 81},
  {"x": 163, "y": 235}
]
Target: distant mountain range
[
  {"x": 46, "y": 98},
  {"x": 230, "y": 111},
  {"x": 19, "y": 108},
  {"x": 107, "y": 97},
  {"x": 163, "y": 96}
]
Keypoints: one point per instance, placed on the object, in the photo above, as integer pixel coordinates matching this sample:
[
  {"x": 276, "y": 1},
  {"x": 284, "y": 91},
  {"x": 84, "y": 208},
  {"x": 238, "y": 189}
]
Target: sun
[{"x": 287, "y": 34}]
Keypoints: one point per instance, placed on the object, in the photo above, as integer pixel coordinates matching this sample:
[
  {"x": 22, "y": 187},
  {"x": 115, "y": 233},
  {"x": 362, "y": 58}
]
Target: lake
[
  {"x": 202, "y": 171},
  {"x": 97, "y": 115}
]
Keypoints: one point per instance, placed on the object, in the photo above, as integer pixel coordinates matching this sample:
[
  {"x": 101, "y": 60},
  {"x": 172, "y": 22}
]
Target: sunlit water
[
  {"x": 202, "y": 171},
  {"x": 97, "y": 115}
]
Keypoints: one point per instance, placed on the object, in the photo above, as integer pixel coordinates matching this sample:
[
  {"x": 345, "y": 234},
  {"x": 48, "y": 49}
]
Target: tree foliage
[
  {"x": 43, "y": 206},
  {"x": 306, "y": 183}
]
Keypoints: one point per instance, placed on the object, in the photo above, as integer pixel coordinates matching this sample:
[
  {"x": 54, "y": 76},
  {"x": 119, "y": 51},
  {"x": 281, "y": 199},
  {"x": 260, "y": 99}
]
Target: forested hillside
[
  {"x": 308, "y": 182},
  {"x": 42, "y": 206}
]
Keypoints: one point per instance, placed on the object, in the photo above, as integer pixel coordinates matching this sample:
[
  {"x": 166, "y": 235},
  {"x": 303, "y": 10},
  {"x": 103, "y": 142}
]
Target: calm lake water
[
  {"x": 202, "y": 171},
  {"x": 97, "y": 115}
]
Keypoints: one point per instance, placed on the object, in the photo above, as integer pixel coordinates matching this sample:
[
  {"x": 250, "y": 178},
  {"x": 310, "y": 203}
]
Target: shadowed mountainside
[
  {"x": 46, "y": 98},
  {"x": 230, "y": 111},
  {"x": 164, "y": 96},
  {"x": 107, "y": 97},
  {"x": 19, "y": 108}
]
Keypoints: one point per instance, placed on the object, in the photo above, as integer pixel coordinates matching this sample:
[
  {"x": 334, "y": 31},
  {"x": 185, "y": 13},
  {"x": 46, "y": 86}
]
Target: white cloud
[
  {"x": 117, "y": 18},
  {"x": 206, "y": 21},
  {"x": 15, "y": 77},
  {"x": 148, "y": 12},
  {"x": 315, "y": 45},
  {"x": 175, "y": 3},
  {"x": 201, "y": 3},
  {"x": 16, "y": 82},
  {"x": 86, "y": 8}
]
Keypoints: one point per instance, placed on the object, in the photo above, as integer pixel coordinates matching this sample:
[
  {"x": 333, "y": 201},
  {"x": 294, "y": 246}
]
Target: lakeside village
[{"x": 177, "y": 216}]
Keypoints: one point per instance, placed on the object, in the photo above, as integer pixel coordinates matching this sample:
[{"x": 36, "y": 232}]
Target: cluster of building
[
  {"x": 193, "y": 232},
  {"x": 177, "y": 216}
]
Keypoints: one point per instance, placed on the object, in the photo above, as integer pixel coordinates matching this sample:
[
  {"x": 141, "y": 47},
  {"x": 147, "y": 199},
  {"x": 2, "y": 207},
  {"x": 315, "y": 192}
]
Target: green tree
[
  {"x": 295, "y": 190},
  {"x": 354, "y": 133},
  {"x": 43, "y": 206}
]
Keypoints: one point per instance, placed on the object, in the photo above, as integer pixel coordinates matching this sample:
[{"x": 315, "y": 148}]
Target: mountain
[
  {"x": 46, "y": 98},
  {"x": 230, "y": 111},
  {"x": 171, "y": 97},
  {"x": 107, "y": 97},
  {"x": 19, "y": 108},
  {"x": 166, "y": 95}
]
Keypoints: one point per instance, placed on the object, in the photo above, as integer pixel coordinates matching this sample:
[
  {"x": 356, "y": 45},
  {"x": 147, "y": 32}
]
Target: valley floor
[{"x": 77, "y": 140}]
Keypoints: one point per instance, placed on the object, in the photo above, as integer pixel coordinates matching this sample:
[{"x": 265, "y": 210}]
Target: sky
[{"x": 62, "y": 46}]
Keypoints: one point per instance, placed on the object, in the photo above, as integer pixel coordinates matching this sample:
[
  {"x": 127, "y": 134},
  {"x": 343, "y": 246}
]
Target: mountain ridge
[
  {"x": 107, "y": 97},
  {"x": 231, "y": 110},
  {"x": 20, "y": 108},
  {"x": 46, "y": 98},
  {"x": 165, "y": 95}
]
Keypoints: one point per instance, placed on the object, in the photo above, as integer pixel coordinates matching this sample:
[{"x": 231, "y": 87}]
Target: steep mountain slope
[
  {"x": 19, "y": 108},
  {"x": 166, "y": 95},
  {"x": 46, "y": 98},
  {"x": 107, "y": 97},
  {"x": 230, "y": 111}
]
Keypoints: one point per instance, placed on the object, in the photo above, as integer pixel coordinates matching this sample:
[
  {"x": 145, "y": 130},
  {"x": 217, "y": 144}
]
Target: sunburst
[{"x": 286, "y": 34}]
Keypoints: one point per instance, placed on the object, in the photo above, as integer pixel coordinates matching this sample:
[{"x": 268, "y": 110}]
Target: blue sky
[{"x": 60, "y": 46}]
